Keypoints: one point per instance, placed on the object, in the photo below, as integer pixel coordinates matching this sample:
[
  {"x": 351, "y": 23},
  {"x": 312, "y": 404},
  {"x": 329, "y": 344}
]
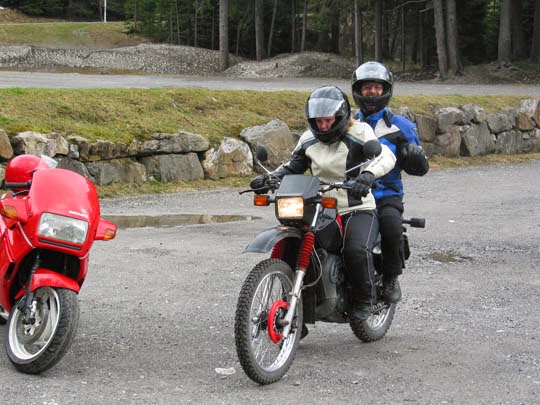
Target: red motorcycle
[{"x": 48, "y": 222}]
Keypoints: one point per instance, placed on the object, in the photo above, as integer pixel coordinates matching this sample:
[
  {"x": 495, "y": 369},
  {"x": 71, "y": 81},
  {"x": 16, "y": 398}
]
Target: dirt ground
[{"x": 158, "y": 307}]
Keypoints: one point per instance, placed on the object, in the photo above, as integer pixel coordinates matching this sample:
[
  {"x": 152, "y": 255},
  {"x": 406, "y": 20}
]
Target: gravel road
[
  {"x": 10, "y": 79},
  {"x": 157, "y": 309}
]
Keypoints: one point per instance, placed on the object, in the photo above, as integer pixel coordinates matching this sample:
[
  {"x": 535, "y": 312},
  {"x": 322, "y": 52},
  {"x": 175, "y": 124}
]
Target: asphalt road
[
  {"x": 10, "y": 79},
  {"x": 157, "y": 309}
]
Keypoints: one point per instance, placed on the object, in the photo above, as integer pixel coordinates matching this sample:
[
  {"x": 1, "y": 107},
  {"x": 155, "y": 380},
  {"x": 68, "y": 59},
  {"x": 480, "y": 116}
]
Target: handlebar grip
[
  {"x": 416, "y": 222},
  {"x": 26, "y": 184}
]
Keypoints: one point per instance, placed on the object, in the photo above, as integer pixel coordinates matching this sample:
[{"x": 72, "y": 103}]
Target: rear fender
[
  {"x": 47, "y": 278},
  {"x": 265, "y": 241}
]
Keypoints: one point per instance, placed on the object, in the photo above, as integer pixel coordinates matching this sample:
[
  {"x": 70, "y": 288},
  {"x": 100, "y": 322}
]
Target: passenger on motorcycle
[
  {"x": 372, "y": 84},
  {"x": 326, "y": 149}
]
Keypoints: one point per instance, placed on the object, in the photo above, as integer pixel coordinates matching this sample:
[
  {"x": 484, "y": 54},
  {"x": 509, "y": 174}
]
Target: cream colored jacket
[{"x": 329, "y": 162}]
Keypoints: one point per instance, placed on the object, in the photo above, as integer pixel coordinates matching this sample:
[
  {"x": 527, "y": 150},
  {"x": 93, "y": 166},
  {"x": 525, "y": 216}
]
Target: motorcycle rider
[
  {"x": 372, "y": 84},
  {"x": 325, "y": 148}
]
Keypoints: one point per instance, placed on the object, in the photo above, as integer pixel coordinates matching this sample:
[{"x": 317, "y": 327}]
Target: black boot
[
  {"x": 391, "y": 289},
  {"x": 304, "y": 331},
  {"x": 361, "y": 312}
]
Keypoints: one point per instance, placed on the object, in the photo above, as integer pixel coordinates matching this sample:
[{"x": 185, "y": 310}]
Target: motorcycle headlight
[
  {"x": 63, "y": 228},
  {"x": 290, "y": 208}
]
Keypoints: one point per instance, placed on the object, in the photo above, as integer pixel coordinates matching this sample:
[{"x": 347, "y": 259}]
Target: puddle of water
[{"x": 167, "y": 221}]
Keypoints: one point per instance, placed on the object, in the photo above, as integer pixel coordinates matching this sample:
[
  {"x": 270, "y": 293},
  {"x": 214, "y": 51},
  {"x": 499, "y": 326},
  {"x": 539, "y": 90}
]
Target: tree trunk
[
  {"x": 452, "y": 38},
  {"x": 402, "y": 39},
  {"x": 378, "y": 30},
  {"x": 271, "y": 33},
  {"x": 223, "y": 34},
  {"x": 334, "y": 13},
  {"x": 505, "y": 40},
  {"x": 358, "y": 51},
  {"x": 304, "y": 27},
  {"x": 420, "y": 43},
  {"x": 438, "y": 14},
  {"x": 259, "y": 30},
  {"x": 535, "y": 44},
  {"x": 519, "y": 49},
  {"x": 293, "y": 26}
]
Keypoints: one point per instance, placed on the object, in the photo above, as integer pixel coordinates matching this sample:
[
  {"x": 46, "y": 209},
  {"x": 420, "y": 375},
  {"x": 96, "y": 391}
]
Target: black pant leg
[
  {"x": 390, "y": 211},
  {"x": 361, "y": 229}
]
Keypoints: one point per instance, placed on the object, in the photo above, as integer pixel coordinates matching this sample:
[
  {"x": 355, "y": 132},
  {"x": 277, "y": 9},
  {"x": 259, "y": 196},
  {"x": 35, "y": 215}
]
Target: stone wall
[{"x": 465, "y": 131}]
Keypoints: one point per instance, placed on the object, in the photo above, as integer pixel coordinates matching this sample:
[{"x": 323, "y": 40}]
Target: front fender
[
  {"x": 266, "y": 240},
  {"x": 47, "y": 278}
]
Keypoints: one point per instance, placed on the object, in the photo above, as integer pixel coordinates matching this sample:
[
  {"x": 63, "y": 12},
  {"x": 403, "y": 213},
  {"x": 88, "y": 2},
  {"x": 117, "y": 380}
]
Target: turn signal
[
  {"x": 9, "y": 211},
  {"x": 329, "y": 202},
  {"x": 109, "y": 234},
  {"x": 261, "y": 200}
]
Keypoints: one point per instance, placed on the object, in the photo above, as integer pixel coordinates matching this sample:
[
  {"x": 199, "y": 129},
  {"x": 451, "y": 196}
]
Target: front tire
[
  {"x": 264, "y": 361},
  {"x": 376, "y": 326},
  {"x": 37, "y": 346}
]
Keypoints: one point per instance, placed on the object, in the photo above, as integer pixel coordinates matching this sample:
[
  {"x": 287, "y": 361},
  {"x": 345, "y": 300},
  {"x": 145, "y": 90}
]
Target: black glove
[
  {"x": 259, "y": 184},
  {"x": 413, "y": 160},
  {"x": 362, "y": 185}
]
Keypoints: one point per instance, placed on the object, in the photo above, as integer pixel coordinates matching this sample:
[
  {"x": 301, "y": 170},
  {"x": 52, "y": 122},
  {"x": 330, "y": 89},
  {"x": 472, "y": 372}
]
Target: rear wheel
[
  {"x": 376, "y": 326},
  {"x": 264, "y": 354},
  {"x": 37, "y": 344}
]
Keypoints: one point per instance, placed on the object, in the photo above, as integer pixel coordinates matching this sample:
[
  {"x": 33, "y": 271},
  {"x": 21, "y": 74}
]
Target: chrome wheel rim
[
  {"x": 269, "y": 356},
  {"x": 29, "y": 341}
]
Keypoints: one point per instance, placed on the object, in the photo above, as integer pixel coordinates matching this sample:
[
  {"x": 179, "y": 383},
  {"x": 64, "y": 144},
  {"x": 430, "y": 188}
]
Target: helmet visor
[
  {"x": 323, "y": 107},
  {"x": 373, "y": 71}
]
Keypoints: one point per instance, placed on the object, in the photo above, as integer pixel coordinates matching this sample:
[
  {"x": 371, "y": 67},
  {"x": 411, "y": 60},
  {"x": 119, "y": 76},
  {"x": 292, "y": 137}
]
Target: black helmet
[
  {"x": 372, "y": 72},
  {"x": 328, "y": 101}
]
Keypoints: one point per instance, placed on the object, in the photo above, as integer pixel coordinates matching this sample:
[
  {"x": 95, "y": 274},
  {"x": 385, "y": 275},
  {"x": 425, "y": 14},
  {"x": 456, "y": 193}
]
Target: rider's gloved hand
[
  {"x": 362, "y": 185},
  {"x": 259, "y": 184}
]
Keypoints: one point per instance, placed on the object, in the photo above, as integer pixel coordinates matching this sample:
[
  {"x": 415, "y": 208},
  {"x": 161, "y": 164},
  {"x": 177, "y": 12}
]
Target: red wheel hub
[{"x": 279, "y": 305}]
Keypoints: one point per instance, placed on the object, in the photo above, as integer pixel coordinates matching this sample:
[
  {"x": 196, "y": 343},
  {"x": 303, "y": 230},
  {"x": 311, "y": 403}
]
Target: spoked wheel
[
  {"x": 264, "y": 354},
  {"x": 36, "y": 344},
  {"x": 376, "y": 326}
]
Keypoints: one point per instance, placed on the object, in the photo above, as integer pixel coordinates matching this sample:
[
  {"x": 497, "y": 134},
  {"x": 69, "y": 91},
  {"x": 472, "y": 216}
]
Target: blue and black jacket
[{"x": 392, "y": 131}]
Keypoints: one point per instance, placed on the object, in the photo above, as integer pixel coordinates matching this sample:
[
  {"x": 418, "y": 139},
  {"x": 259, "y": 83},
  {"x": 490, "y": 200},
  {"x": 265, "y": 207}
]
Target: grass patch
[
  {"x": 121, "y": 115},
  {"x": 441, "y": 162},
  {"x": 69, "y": 35}
]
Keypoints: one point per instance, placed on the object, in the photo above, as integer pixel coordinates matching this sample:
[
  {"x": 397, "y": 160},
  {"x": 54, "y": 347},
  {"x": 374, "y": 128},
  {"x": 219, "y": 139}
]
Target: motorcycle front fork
[
  {"x": 294, "y": 297},
  {"x": 28, "y": 305}
]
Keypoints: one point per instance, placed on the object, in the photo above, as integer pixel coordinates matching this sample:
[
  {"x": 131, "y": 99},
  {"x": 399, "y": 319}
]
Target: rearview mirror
[
  {"x": 262, "y": 154},
  {"x": 371, "y": 149}
]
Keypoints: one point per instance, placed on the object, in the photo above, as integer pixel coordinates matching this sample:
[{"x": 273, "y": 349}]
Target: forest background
[
  {"x": 445, "y": 35},
  {"x": 120, "y": 115}
]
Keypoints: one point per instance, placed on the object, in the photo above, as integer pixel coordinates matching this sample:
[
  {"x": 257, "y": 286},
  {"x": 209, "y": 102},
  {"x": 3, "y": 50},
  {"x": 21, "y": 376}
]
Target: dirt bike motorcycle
[
  {"x": 303, "y": 281},
  {"x": 48, "y": 223}
]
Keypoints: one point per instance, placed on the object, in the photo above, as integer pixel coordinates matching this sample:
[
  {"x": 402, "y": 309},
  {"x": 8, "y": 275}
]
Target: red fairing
[{"x": 67, "y": 193}]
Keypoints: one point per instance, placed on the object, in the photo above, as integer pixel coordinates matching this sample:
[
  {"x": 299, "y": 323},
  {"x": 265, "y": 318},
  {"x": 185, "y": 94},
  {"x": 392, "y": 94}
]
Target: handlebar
[
  {"x": 272, "y": 184},
  {"x": 415, "y": 222},
  {"x": 12, "y": 185}
]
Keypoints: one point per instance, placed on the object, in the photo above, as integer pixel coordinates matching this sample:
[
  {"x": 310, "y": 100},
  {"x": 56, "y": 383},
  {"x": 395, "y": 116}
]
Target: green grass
[
  {"x": 121, "y": 115},
  {"x": 69, "y": 35}
]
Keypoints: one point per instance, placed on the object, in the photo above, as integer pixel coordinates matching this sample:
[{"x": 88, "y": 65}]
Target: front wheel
[
  {"x": 265, "y": 356},
  {"x": 38, "y": 343},
  {"x": 376, "y": 326}
]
